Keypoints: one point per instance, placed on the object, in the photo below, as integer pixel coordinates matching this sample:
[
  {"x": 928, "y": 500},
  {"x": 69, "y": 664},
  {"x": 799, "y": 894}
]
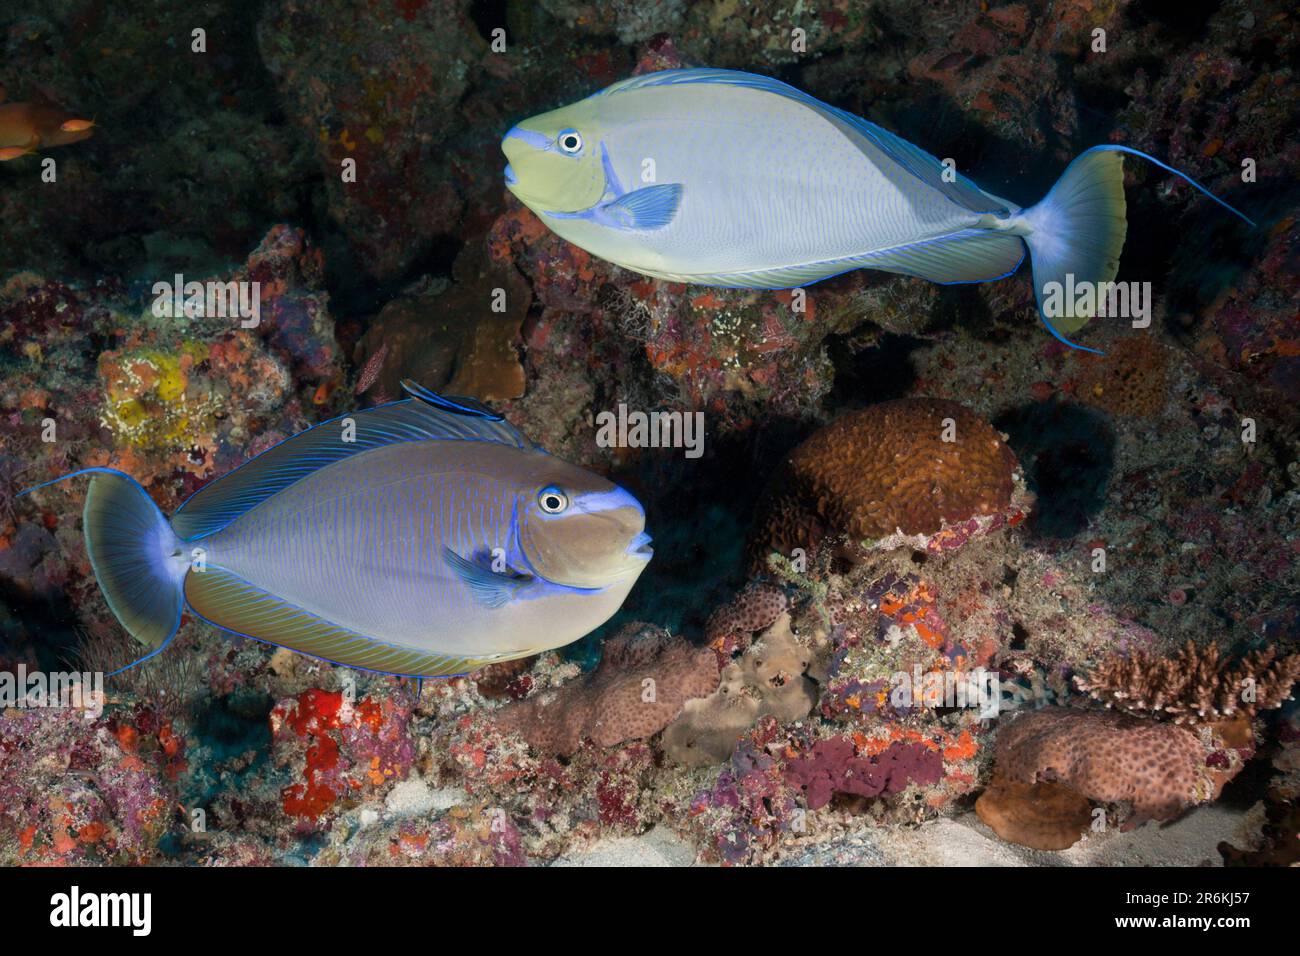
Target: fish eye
[
  {"x": 552, "y": 500},
  {"x": 569, "y": 141}
]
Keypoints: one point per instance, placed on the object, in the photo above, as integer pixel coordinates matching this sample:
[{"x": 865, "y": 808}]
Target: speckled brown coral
[
  {"x": 884, "y": 469},
  {"x": 728, "y": 629},
  {"x": 1157, "y": 768},
  {"x": 1130, "y": 380},
  {"x": 615, "y": 702}
]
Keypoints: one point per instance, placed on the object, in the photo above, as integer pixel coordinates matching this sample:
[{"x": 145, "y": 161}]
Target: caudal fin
[
  {"x": 1078, "y": 230},
  {"x": 139, "y": 562},
  {"x": 1076, "y": 233}
]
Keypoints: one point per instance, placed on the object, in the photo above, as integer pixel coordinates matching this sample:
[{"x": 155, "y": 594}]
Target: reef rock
[
  {"x": 460, "y": 339},
  {"x": 386, "y": 100}
]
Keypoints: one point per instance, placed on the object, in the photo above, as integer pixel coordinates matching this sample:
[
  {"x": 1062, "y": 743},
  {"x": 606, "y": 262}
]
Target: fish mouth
[
  {"x": 511, "y": 179},
  {"x": 640, "y": 546}
]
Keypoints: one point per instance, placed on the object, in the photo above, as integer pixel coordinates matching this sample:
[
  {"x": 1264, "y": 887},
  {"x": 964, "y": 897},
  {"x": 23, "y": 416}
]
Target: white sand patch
[{"x": 659, "y": 847}]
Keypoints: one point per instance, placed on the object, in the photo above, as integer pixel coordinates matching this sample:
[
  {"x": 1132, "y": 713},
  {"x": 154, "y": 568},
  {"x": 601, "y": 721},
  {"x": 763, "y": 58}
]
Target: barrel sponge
[
  {"x": 1157, "y": 768},
  {"x": 884, "y": 469}
]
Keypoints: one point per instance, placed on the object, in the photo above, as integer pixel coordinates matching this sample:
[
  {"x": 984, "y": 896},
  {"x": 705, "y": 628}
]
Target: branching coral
[
  {"x": 1195, "y": 686},
  {"x": 644, "y": 677},
  {"x": 911, "y": 466}
]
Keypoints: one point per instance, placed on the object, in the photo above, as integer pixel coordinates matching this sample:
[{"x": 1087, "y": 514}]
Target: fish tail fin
[
  {"x": 1078, "y": 230},
  {"x": 138, "y": 560}
]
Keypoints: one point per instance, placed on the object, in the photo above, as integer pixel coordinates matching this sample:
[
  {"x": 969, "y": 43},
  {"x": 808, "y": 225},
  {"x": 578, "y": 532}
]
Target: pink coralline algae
[
  {"x": 748, "y": 806},
  {"x": 833, "y": 767},
  {"x": 78, "y": 790}
]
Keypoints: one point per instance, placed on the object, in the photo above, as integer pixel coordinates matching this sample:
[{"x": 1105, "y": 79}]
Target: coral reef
[
  {"x": 644, "y": 678},
  {"x": 909, "y": 467},
  {"x": 799, "y": 709},
  {"x": 83, "y": 789},
  {"x": 343, "y": 749}
]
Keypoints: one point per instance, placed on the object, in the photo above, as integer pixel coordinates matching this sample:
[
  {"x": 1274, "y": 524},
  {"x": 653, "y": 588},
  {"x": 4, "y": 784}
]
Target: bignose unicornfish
[
  {"x": 723, "y": 178},
  {"x": 424, "y": 537}
]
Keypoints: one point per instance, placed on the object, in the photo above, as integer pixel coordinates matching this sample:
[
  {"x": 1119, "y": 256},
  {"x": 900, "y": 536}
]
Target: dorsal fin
[
  {"x": 425, "y": 416},
  {"x": 909, "y": 157}
]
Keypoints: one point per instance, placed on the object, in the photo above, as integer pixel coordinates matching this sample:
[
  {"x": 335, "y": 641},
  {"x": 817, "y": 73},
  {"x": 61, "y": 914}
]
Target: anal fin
[
  {"x": 968, "y": 255},
  {"x": 228, "y": 601}
]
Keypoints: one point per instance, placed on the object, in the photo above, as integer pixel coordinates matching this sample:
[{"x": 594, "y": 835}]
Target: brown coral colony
[{"x": 910, "y": 466}]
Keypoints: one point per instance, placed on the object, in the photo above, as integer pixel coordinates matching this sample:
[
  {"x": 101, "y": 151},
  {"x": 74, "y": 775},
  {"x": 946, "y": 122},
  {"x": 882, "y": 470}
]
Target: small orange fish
[
  {"x": 39, "y": 126},
  {"x": 13, "y": 152}
]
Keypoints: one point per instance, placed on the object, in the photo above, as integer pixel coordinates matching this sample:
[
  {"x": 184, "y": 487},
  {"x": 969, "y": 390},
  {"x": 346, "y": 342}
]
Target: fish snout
[
  {"x": 625, "y": 522},
  {"x": 640, "y": 546},
  {"x": 510, "y": 175}
]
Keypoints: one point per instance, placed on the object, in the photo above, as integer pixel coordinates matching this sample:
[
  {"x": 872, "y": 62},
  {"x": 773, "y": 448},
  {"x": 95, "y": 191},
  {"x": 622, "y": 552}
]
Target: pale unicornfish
[
  {"x": 721, "y": 178},
  {"x": 424, "y": 537}
]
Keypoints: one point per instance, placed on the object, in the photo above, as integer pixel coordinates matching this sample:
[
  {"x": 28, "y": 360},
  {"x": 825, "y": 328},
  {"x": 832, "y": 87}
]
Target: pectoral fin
[
  {"x": 490, "y": 589},
  {"x": 652, "y": 207}
]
